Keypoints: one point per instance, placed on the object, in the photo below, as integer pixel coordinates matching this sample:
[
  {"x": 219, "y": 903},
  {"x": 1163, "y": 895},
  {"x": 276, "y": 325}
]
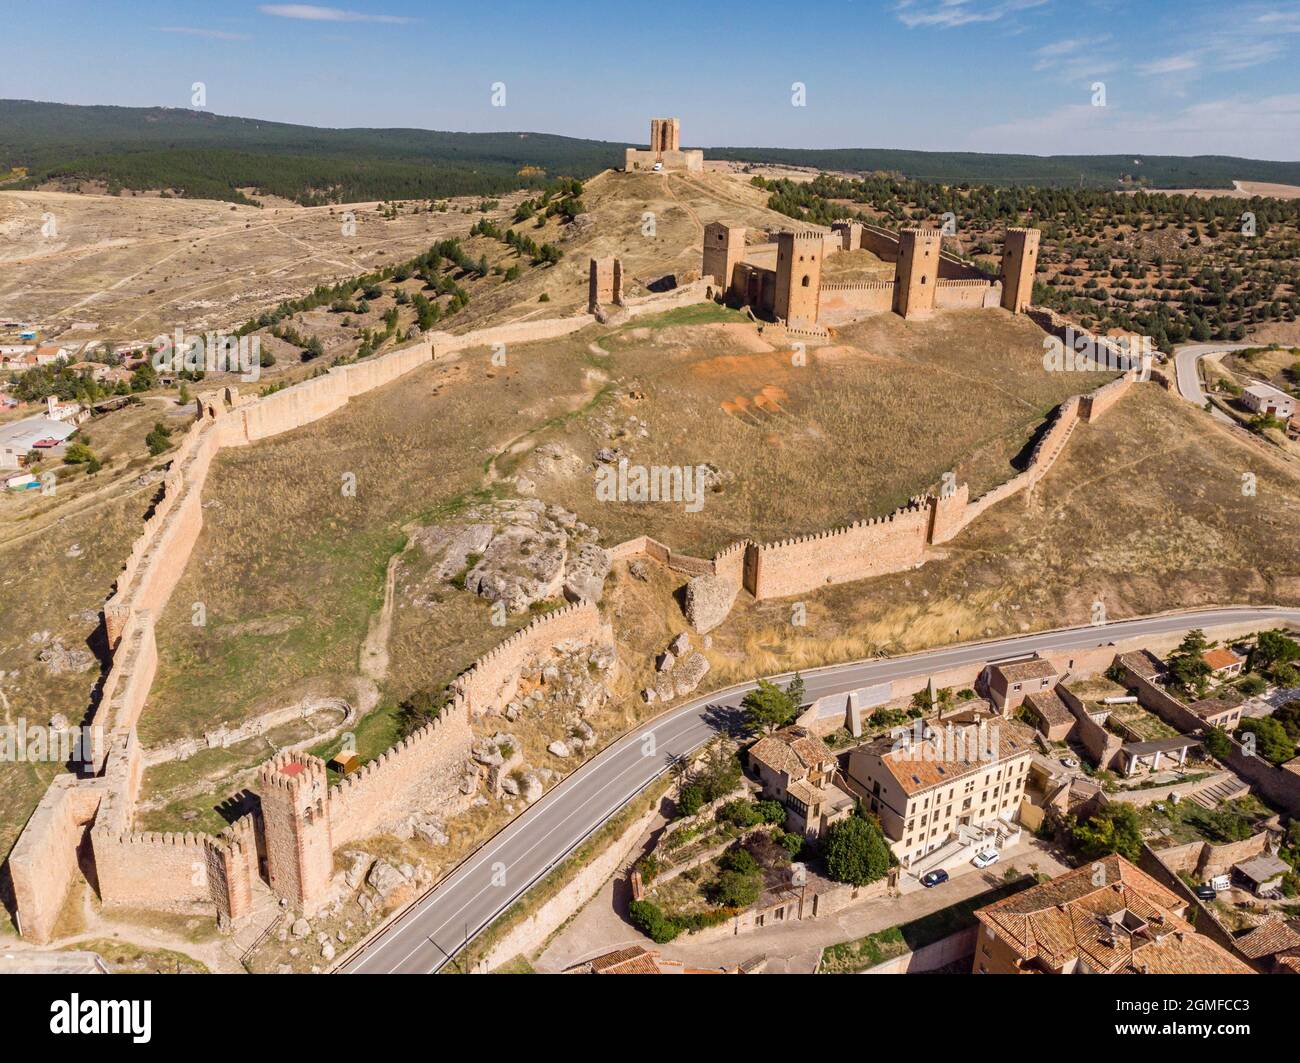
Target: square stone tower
[
  {"x": 798, "y": 277},
  {"x": 604, "y": 283},
  {"x": 917, "y": 271},
  {"x": 665, "y": 134},
  {"x": 850, "y": 234},
  {"x": 724, "y": 247},
  {"x": 1019, "y": 261},
  {"x": 295, "y": 819}
]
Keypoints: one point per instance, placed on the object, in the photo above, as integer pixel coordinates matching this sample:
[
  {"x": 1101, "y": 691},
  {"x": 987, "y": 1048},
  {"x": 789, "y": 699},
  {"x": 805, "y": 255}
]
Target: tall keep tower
[
  {"x": 295, "y": 819},
  {"x": 1019, "y": 261},
  {"x": 798, "y": 277},
  {"x": 665, "y": 134},
  {"x": 724, "y": 247},
  {"x": 918, "y": 269}
]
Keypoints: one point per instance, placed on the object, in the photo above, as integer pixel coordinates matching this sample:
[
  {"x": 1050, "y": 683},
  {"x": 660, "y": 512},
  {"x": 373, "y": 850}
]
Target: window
[{"x": 805, "y": 280}]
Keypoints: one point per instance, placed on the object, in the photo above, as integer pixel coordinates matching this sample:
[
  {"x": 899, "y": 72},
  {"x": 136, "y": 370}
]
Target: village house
[
  {"x": 1050, "y": 715},
  {"x": 1009, "y": 684},
  {"x": 927, "y": 788},
  {"x": 1218, "y": 712},
  {"x": 1224, "y": 663},
  {"x": 1262, "y": 873},
  {"x": 798, "y": 769},
  {"x": 1156, "y": 754},
  {"x": 1106, "y": 917},
  {"x": 1275, "y": 945},
  {"x": 638, "y": 960}
]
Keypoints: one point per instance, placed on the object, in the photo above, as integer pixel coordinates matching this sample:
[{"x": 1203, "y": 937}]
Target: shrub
[
  {"x": 855, "y": 851},
  {"x": 690, "y": 800},
  {"x": 771, "y": 811},
  {"x": 649, "y": 918},
  {"x": 740, "y": 813},
  {"x": 1113, "y": 829}
]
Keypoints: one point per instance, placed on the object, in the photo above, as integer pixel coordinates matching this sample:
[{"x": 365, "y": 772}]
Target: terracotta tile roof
[
  {"x": 633, "y": 960},
  {"x": 1292, "y": 765},
  {"x": 804, "y": 791},
  {"x": 1213, "y": 708},
  {"x": 1048, "y": 705},
  {"x": 1268, "y": 938},
  {"x": 1220, "y": 657},
  {"x": 1288, "y": 964},
  {"x": 1127, "y": 924},
  {"x": 1021, "y": 671},
  {"x": 956, "y": 752},
  {"x": 793, "y": 751},
  {"x": 1144, "y": 663}
]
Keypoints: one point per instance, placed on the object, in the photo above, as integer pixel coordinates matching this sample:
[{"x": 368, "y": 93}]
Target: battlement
[{"x": 294, "y": 773}]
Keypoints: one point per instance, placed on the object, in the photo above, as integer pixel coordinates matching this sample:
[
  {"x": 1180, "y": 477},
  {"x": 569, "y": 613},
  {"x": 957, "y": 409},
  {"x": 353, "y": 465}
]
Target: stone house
[
  {"x": 1223, "y": 662},
  {"x": 1009, "y": 684},
  {"x": 1050, "y": 715},
  {"x": 798, "y": 769}
]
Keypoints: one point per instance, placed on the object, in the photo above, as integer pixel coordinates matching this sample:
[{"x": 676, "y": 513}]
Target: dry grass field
[
  {"x": 869, "y": 421},
  {"x": 131, "y": 267}
]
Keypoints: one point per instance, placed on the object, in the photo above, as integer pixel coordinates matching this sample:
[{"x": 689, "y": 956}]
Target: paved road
[
  {"x": 429, "y": 933},
  {"x": 1189, "y": 380}
]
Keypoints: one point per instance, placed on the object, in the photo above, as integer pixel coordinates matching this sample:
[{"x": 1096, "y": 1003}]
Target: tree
[
  {"x": 1113, "y": 829},
  {"x": 690, "y": 800},
  {"x": 418, "y": 709},
  {"x": 649, "y": 918},
  {"x": 735, "y": 889},
  {"x": 158, "y": 439},
  {"x": 1189, "y": 672},
  {"x": 855, "y": 851},
  {"x": 1217, "y": 743},
  {"x": 1271, "y": 740},
  {"x": 1273, "y": 648},
  {"x": 768, "y": 707}
]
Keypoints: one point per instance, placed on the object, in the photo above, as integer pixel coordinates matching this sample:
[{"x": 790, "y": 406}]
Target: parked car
[
  {"x": 985, "y": 858},
  {"x": 1206, "y": 893},
  {"x": 1069, "y": 762},
  {"x": 934, "y": 878},
  {"x": 657, "y": 167}
]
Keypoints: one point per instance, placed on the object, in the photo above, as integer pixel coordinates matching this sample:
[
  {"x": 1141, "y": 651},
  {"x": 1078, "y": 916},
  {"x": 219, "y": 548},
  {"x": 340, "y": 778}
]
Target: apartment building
[{"x": 927, "y": 783}]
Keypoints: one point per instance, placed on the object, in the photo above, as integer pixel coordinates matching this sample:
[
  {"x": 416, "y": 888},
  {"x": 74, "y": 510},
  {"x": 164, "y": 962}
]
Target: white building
[{"x": 1266, "y": 399}]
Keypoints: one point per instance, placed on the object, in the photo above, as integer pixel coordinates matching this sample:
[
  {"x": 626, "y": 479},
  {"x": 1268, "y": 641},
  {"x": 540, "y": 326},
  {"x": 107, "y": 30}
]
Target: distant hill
[
  {"x": 1051, "y": 171},
  {"x": 199, "y": 154}
]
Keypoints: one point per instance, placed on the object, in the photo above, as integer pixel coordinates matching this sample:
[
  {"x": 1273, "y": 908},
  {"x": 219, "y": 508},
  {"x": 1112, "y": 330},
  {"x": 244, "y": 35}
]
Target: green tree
[
  {"x": 649, "y": 918},
  {"x": 1188, "y": 670},
  {"x": 1271, "y": 740},
  {"x": 768, "y": 707},
  {"x": 1113, "y": 829},
  {"x": 855, "y": 851},
  {"x": 1217, "y": 743},
  {"x": 158, "y": 439},
  {"x": 1274, "y": 648}
]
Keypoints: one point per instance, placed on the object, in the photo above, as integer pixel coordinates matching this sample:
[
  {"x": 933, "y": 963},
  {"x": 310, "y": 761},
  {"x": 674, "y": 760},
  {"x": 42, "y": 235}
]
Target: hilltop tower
[
  {"x": 296, "y": 824},
  {"x": 665, "y": 134},
  {"x": 798, "y": 277},
  {"x": 604, "y": 283},
  {"x": 724, "y": 247},
  {"x": 917, "y": 271},
  {"x": 1019, "y": 261}
]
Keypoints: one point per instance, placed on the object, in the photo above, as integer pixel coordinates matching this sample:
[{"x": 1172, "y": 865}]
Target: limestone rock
[
  {"x": 356, "y": 872},
  {"x": 680, "y": 644},
  {"x": 385, "y": 879},
  {"x": 585, "y": 572},
  {"x": 60, "y": 660},
  {"x": 708, "y": 601},
  {"x": 638, "y": 569},
  {"x": 301, "y": 928},
  {"x": 558, "y": 749},
  {"x": 327, "y": 951},
  {"x": 648, "y": 695},
  {"x": 687, "y": 675},
  {"x": 666, "y": 661}
]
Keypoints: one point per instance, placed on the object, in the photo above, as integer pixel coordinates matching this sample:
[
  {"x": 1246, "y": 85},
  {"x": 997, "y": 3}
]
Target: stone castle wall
[
  {"x": 969, "y": 294},
  {"x": 843, "y": 303},
  {"x": 493, "y": 679}
]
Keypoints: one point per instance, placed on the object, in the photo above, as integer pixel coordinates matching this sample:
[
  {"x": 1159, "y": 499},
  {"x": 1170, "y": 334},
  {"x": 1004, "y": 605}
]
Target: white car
[
  {"x": 985, "y": 858},
  {"x": 657, "y": 167},
  {"x": 1069, "y": 762}
]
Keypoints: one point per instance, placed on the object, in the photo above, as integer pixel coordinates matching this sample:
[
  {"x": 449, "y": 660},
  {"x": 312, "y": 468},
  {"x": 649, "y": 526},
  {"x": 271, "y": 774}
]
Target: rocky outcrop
[
  {"x": 709, "y": 599},
  {"x": 517, "y": 552}
]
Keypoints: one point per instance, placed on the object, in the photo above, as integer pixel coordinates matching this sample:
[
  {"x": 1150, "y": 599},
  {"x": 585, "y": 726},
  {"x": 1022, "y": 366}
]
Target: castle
[
  {"x": 665, "y": 150},
  {"x": 781, "y": 277}
]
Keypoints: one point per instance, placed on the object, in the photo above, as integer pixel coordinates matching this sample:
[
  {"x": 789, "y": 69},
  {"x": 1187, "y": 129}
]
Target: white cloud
[
  {"x": 314, "y": 13},
  {"x": 1173, "y": 64},
  {"x": 1262, "y": 128},
  {"x": 945, "y": 14},
  {"x": 198, "y": 31}
]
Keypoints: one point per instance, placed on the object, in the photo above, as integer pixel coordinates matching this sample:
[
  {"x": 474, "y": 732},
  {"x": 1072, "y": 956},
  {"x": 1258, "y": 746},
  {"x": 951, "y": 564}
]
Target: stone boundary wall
[
  {"x": 532, "y": 933},
  {"x": 1204, "y": 860},
  {"x": 493, "y": 679},
  {"x": 224, "y": 737},
  {"x": 1102, "y": 745},
  {"x": 416, "y": 772},
  {"x": 844, "y": 303},
  {"x": 1200, "y": 915},
  {"x": 969, "y": 293},
  {"x": 142, "y": 869},
  {"x": 931, "y": 957}
]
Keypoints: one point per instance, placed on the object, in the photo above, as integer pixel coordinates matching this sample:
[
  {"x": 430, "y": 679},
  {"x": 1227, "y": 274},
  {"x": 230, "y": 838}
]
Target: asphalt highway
[{"x": 428, "y": 934}]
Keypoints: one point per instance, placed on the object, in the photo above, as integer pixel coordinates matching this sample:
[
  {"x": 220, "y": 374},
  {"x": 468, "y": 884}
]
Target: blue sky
[{"x": 1181, "y": 76}]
